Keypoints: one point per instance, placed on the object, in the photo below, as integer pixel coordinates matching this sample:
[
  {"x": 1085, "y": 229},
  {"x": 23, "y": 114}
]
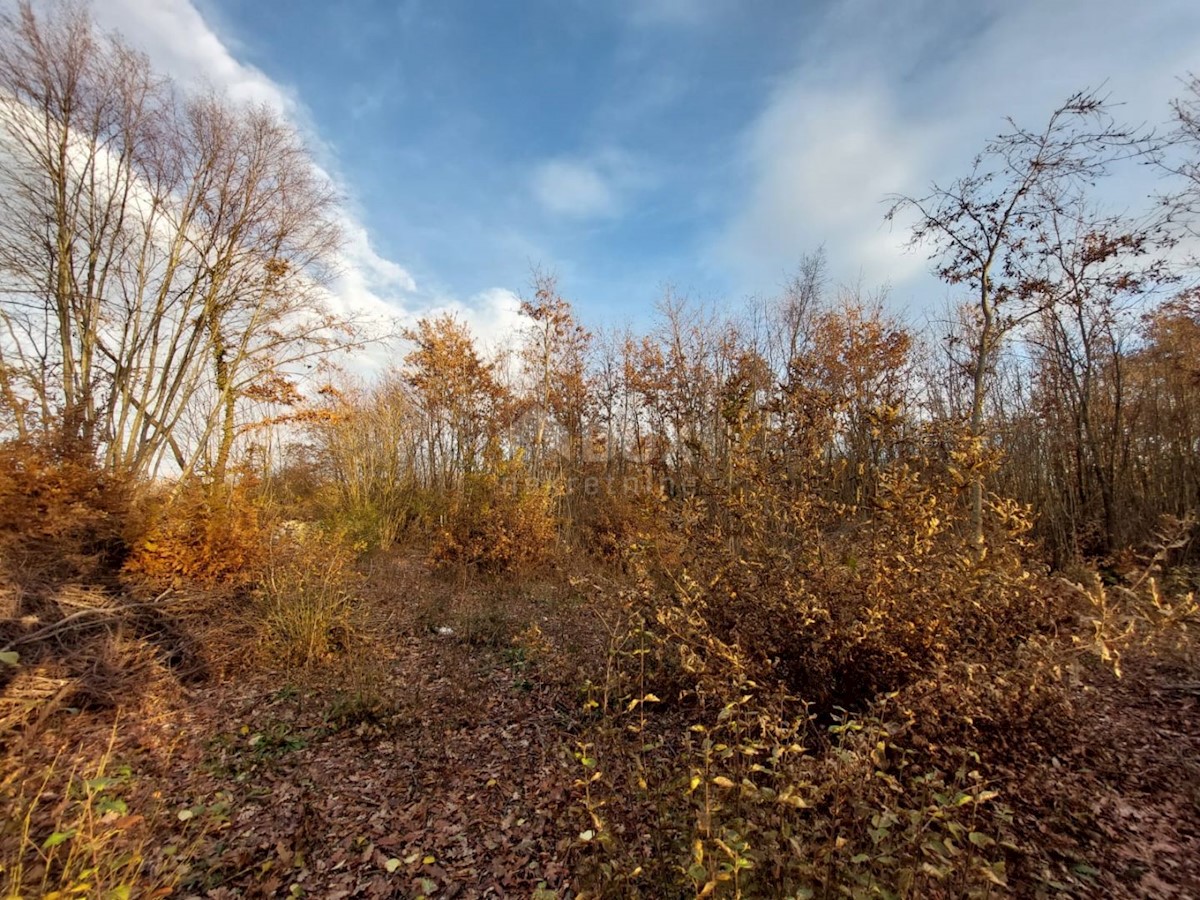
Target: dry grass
[{"x": 74, "y": 833}]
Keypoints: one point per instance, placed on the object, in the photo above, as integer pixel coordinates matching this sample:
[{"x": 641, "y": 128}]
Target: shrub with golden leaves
[
  {"x": 794, "y": 703},
  {"x": 62, "y": 520},
  {"x": 306, "y": 610},
  {"x": 501, "y": 522}
]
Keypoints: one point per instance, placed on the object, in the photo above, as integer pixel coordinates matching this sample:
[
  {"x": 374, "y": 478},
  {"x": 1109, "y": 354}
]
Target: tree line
[{"x": 164, "y": 267}]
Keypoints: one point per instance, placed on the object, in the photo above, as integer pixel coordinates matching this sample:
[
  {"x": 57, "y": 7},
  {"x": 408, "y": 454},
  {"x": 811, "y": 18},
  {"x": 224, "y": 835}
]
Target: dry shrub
[
  {"x": 70, "y": 632},
  {"x": 306, "y": 601},
  {"x": 91, "y": 649},
  {"x": 62, "y": 520},
  {"x": 211, "y": 536},
  {"x": 842, "y": 604},
  {"x": 33, "y": 692},
  {"x": 701, "y": 773},
  {"x": 502, "y": 522},
  {"x": 614, "y": 512},
  {"x": 1150, "y": 613},
  {"x": 820, "y": 698}
]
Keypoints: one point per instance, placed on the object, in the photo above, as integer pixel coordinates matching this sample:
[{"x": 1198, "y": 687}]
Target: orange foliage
[
  {"x": 204, "y": 535},
  {"x": 501, "y": 523},
  {"x": 61, "y": 518}
]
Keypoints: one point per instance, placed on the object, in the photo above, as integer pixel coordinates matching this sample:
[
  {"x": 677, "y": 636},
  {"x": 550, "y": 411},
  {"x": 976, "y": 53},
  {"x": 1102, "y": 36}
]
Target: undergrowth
[
  {"x": 790, "y": 708},
  {"x": 76, "y": 830}
]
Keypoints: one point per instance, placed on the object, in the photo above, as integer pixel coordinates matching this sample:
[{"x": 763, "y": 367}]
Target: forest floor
[
  {"x": 440, "y": 764},
  {"x": 1138, "y": 757},
  {"x": 427, "y": 763}
]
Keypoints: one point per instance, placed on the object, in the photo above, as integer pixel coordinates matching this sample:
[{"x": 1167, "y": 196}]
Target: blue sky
[{"x": 705, "y": 144}]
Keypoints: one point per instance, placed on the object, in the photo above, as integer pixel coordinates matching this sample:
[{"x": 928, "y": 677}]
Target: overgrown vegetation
[{"x": 793, "y": 602}]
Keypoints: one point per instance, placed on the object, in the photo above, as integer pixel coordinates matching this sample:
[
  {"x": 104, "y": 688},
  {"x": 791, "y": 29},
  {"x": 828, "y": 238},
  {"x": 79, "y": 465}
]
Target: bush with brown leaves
[
  {"x": 211, "y": 536},
  {"x": 501, "y": 522}
]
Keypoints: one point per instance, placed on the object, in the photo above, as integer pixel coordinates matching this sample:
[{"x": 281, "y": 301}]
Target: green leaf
[
  {"x": 392, "y": 865},
  {"x": 110, "y": 805},
  {"x": 979, "y": 839},
  {"x": 57, "y": 838},
  {"x": 10, "y": 658}
]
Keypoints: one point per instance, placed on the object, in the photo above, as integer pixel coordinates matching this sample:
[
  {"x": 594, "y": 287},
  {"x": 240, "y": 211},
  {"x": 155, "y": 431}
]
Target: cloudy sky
[{"x": 633, "y": 144}]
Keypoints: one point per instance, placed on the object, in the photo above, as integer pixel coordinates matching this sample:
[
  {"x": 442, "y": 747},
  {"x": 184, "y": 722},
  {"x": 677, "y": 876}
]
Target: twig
[{"x": 69, "y": 622}]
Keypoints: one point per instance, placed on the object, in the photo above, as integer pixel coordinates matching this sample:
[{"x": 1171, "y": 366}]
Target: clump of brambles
[{"x": 802, "y": 602}]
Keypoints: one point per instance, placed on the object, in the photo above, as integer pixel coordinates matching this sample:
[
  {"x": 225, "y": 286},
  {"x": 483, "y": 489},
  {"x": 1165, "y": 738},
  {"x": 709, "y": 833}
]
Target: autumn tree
[
  {"x": 554, "y": 358},
  {"x": 1163, "y": 379},
  {"x": 365, "y": 442},
  {"x": 461, "y": 403},
  {"x": 855, "y": 376}
]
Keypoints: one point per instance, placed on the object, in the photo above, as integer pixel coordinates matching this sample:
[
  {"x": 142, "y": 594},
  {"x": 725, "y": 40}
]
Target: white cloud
[
  {"x": 183, "y": 45},
  {"x": 366, "y": 282},
  {"x": 494, "y": 317},
  {"x": 822, "y": 161},
  {"x": 180, "y": 42},
  {"x": 592, "y": 186},
  {"x": 573, "y": 188},
  {"x": 887, "y": 98}
]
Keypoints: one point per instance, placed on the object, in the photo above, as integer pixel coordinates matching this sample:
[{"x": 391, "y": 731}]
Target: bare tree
[
  {"x": 982, "y": 228},
  {"x": 162, "y": 258}
]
